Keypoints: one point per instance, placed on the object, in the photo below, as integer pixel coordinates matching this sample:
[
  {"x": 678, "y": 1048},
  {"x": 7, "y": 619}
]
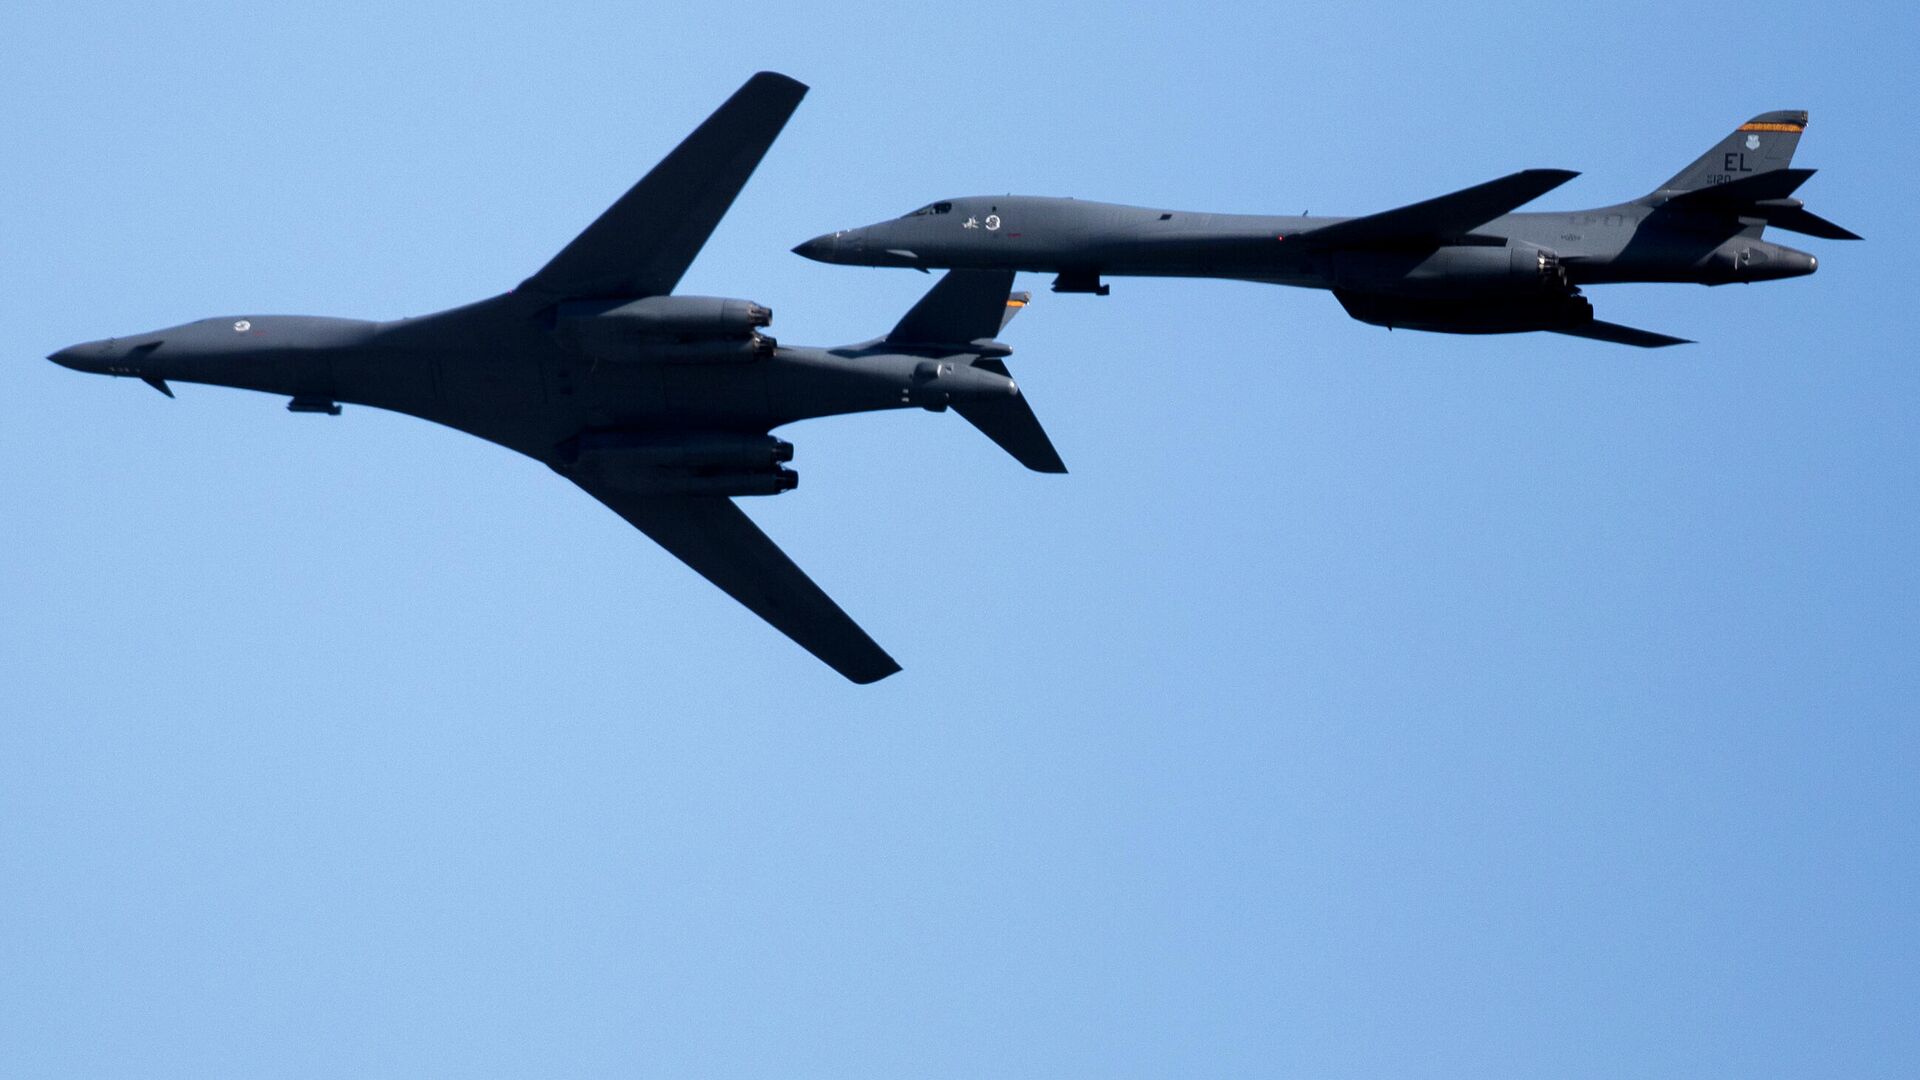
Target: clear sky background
[{"x": 1364, "y": 704}]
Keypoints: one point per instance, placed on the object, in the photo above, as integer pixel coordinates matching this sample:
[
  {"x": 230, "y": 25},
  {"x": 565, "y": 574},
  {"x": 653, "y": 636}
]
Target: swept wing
[
  {"x": 711, "y": 535},
  {"x": 1439, "y": 220},
  {"x": 644, "y": 242}
]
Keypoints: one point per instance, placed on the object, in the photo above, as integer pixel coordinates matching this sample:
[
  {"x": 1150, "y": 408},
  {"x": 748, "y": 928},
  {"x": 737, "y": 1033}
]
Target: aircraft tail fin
[
  {"x": 1750, "y": 176},
  {"x": 961, "y": 314},
  {"x": 1761, "y": 145},
  {"x": 962, "y": 307},
  {"x": 1016, "y": 303}
]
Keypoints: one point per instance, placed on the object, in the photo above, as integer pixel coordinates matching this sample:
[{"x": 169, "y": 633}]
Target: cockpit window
[{"x": 931, "y": 208}]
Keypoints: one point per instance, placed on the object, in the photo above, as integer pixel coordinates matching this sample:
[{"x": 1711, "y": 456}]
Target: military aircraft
[
  {"x": 1463, "y": 263},
  {"x": 660, "y": 406}
]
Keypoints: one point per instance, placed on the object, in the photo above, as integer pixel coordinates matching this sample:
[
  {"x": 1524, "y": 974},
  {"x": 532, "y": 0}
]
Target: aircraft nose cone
[
  {"x": 820, "y": 248},
  {"x": 84, "y": 357}
]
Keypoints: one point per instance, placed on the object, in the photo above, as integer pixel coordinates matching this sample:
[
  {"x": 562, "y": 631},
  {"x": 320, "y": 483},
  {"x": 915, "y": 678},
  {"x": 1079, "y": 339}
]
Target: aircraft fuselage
[
  {"x": 498, "y": 370},
  {"x": 1081, "y": 239}
]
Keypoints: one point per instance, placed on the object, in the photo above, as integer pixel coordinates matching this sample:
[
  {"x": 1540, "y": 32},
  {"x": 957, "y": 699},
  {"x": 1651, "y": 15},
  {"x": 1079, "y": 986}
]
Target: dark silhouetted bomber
[
  {"x": 1463, "y": 263},
  {"x": 660, "y": 406}
]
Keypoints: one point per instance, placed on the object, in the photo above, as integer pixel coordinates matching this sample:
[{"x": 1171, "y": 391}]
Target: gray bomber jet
[
  {"x": 660, "y": 406},
  {"x": 1463, "y": 263}
]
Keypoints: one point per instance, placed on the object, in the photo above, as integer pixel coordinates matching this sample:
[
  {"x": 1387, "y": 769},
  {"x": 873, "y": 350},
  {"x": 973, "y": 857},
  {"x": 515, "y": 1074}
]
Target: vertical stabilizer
[
  {"x": 1762, "y": 144},
  {"x": 962, "y": 307}
]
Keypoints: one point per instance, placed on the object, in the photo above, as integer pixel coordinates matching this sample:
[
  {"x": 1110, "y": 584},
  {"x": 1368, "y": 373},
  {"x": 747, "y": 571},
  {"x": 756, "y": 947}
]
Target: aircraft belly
[
  {"x": 700, "y": 394},
  {"x": 291, "y": 373},
  {"x": 610, "y": 391},
  {"x": 1260, "y": 256},
  {"x": 400, "y": 382},
  {"x": 503, "y": 400}
]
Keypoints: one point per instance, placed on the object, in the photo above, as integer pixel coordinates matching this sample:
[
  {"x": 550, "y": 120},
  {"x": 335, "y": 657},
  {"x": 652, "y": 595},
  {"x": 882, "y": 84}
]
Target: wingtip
[
  {"x": 775, "y": 78},
  {"x": 1659, "y": 341},
  {"x": 869, "y": 676},
  {"x": 1653, "y": 340}
]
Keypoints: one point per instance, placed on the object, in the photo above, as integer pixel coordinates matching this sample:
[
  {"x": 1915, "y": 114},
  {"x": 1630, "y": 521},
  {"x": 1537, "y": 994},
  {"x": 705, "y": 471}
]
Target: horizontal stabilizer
[
  {"x": 1796, "y": 219},
  {"x": 1764, "y": 196},
  {"x": 1600, "y": 330},
  {"x": 644, "y": 242},
  {"x": 1773, "y": 184},
  {"x": 962, "y": 307},
  {"x": 1010, "y": 423},
  {"x": 1445, "y": 218}
]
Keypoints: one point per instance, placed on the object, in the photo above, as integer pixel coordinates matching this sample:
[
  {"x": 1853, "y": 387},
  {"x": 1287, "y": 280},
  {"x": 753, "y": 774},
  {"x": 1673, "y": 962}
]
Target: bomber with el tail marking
[{"x": 1463, "y": 263}]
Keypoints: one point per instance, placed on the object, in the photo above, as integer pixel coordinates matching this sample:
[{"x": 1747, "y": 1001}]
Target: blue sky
[{"x": 1363, "y": 704}]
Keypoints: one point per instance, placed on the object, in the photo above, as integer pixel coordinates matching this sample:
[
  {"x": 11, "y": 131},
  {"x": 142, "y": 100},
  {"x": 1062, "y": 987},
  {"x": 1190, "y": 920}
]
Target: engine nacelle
[
  {"x": 666, "y": 329},
  {"x": 1455, "y": 270},
  {"x": 698, "y": 351},
  {"x": 664, "y": 464},
  {"x": 671, "y": 318},
  {"x": 615, "y": 450},
  {"x": 674, "y": 482}
]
